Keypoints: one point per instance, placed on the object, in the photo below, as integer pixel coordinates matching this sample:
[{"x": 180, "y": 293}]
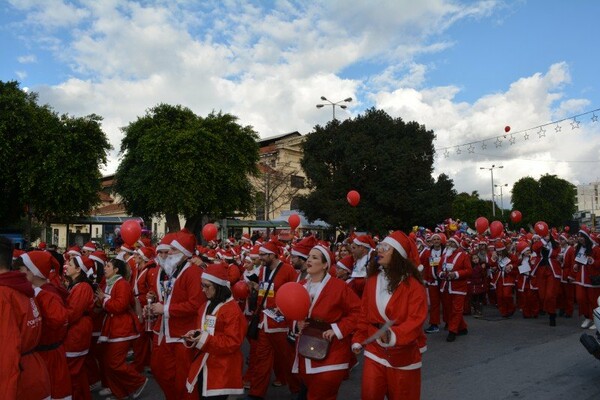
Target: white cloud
[{"x": 28, "y": 59}]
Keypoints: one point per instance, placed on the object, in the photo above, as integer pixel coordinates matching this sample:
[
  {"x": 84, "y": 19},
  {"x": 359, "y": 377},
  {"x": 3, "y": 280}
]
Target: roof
[
  {"x": 94, "y": 220},
  {"x": 271, "y": 140}
]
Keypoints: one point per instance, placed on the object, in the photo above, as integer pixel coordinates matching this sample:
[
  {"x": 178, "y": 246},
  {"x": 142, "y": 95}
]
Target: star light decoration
[
  {"x": 542, "y": 132},
  {"x": 558, "y": 128},
  {"x": 575, "y": 123},
  {"x": 483, "y": 145},
  {"x": 458, "y": 150},
  {"x": 471, "y": 148},
  {"x": 512, "y": 139},
  {"x": 594, "y": 117},
  {"x": 498, "y": 142},
  {"x": 447, "y": 153}
]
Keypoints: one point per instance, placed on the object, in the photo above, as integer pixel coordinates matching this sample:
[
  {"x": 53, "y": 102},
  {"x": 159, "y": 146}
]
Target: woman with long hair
[
  {"x": 119, "y": 330},
  {"x": 217, "y": 367},
  {"x": 335, "y": 309},
  {"x": 394, "y": 298},
  {"x": 587, "y": 264}
]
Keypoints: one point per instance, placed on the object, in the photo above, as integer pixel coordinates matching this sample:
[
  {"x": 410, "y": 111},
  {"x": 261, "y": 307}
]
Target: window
[
  {"x": 297, "y": 182},
  {"x": 295, "y": 203}
]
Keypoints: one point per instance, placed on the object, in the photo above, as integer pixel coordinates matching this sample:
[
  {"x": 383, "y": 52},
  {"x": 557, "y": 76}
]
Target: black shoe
[
  {"x": 463, "y": 332},
  {"x": 451, "y": 337}
]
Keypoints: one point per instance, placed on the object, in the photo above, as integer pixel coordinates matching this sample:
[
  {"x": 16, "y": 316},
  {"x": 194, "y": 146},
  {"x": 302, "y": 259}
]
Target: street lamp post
[
  {"x": 332, "y": 104},
  {"x": 501, "y": 201},
  {"x": 492, "y": 173}
]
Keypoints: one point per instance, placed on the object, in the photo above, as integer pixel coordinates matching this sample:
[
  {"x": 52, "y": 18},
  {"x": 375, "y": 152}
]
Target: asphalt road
[{"x": 499, "y": 359}]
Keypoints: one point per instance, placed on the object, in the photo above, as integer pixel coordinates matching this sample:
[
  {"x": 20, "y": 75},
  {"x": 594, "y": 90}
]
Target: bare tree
[{"x": 276, "y": 187}]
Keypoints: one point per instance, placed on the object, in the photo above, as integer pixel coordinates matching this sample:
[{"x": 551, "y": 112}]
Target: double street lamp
[
  {"x": 492, "y": 172},
  {"x": 332, "y": 104},
  {"x": 501, "y": 201}
]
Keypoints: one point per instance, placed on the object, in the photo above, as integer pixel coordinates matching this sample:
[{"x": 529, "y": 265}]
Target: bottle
[{"x": 150, "y": 317}]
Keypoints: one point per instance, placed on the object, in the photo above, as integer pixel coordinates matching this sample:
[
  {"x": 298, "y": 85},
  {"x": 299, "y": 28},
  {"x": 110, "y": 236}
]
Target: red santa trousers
[
  {"x": 587, "y": 300},
  {"x": 548, "y": 286},
  {"x": 322, "y": 386},
  {"x": 79, "y": 378},
  {"x": 433, "y": 297},
  {"x": 121, "y": 377},
  {"x": 170, "y": 363},
  {"x": 58, "y": 370},
  {"x": 269, "y": 346},
  {"x": 93, "y": 363},
  {"x": 453, "y": 306},
  {"x": 141, "y": 351},
  {"x": 379, "y": 381},
  {"x": 567, "y": 297},
  {"x": 530, "y": 303},
  {"x": 505, "y": 299}
]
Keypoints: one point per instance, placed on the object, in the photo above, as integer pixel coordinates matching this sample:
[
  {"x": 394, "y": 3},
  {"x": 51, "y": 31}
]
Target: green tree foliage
[
  {"x": 550, "y": 199},
  {"x": 468, "y": 207},
  {"x": 387, "y": 161},
  {"x": 49, "y": 164},
  {"x": 177, "y": 163}
]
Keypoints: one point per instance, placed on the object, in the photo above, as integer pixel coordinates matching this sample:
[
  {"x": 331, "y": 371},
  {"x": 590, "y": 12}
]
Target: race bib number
[
  {"x": 581, "y": 259},
  {"x": 434, "y": 261},
  {"x": 209, "y": 324},
  {"x": 262, "y": 290},
  {"x": 448, "y": 267}
]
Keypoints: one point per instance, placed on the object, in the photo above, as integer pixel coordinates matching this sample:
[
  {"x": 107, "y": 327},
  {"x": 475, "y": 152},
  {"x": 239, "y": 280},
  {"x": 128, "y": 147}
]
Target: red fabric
[
  {"x": 358, "y": 285},
  {"x": 379, "y": 382},
  {"x": 322, "y": 386},
  {"x": 286, "y": 273},
  {"x": 121, "y": 377},
  {"x": 587, "y": 300},
  {"x": 461, "y": 265},
  {"x": 454, "y": 305},
  {"x": 120, "y": 321},
  {"x": 142, "y": 350},
  {"x": 18, "y": 281},
  {"x": 79, "y": 378},
  {"x": 22, "y": 377},
  {"x": 79, "y": 305},
  {"x": 567, "y": 293},
  {"x": 170, "y": 365},
  {"x": 433, "y": 293},
  {"x": 548, "y": 288}
]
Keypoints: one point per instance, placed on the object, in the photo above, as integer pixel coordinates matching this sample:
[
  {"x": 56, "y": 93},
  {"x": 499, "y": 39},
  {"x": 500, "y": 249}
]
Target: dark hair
[
  {"x": 82, "y": 277},
  {"x": 6, "y": 251},
  {"x": 399, "y": 270},
  {"x": 222, "y": 293},
  {"x": 588, "y": 245},
  {"x": 99, "y": 272},
  {"x": 120, "y": 265}
]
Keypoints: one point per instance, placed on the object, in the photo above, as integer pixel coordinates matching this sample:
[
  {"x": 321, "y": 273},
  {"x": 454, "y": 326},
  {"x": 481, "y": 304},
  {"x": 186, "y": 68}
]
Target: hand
[
  {"x": 191, "y": 337},
  {"x": 301, "y": 325},
  {"x": 575, "y": 268},
  {"x": 385, "y": 338},
  {"x": 151, "y": 297},
  {"x": 252, "y": 285},
  {"x": 100, "y": 294},
  {"x": 508, "y": 268},
  {"x": 157, "y": 308},
  {"x": 590, "y": 260},
  {"x": 357, "y": 348},
  {"x": 329, "y": 334}
]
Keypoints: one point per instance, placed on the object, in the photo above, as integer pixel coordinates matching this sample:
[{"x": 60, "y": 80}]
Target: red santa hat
[
  {"x": 165, "y": 242},
  {"x": 302, "y": 248},
  {"x": 456, "y": 238},
  {"x": 127, "y": 249},
  {"x": 184, "y": 241},
  {"x": 522, "y": 247},
  {"x": 441, "y": 236},
  {"x": 74, "y": 251},
  {"x": 271, "y": 247},
  {"x": 147, "y": 253},
  {"x": 40, "y": 263},
  {"x": 99, "y": 256},
  {"x": 85, "y": 263},
  {"x": 217, "y": 273},
  {"x": 329, "y": 257},
  {"x": 403, "y": 245},
  {"x": 365, "y": 241},
  {"x": 17, "y": 253},
  {"x": 211, "y": 254},
  {"x": 89, "y": 246},
  {"x": 499, "y": 245},
  {"x": 584, "y": 230},
  {"x": 346, "y": 263},
  {"x": 254, "y": 251},
  {"x": 42, "y": 246}
]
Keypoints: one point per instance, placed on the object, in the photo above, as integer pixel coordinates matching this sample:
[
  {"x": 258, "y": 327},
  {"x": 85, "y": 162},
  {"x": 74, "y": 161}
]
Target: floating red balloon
[
  {"x": 515, "y": 216},
  {"x": 507, "y": 129},
  {"x": 353, "y": 198},
  {"x": 293, "y": 301},
  {"x": 131, "y": 231},
  {"x": 496, "y": 229},
  {"x": 240, "y": 290},
  {"x": 481, "y": 224},
  {"x": 294, "y": 221},
  {"x": 541, "y": 228},
  {"x": 209, "y": 232}
]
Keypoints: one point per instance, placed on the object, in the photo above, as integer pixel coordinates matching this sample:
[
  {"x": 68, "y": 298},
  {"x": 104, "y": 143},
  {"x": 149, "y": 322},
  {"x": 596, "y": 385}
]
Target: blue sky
[{"x": 465, "y": 69}]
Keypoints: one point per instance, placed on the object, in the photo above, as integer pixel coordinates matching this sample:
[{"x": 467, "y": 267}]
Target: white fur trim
[
  {"x": 180, "y": 247},
  {"x": 214, "y": 279},
  {"x": 31, "y": 266},
  {"x": 325, "y": 252},
  {"x": 396, "y": 245}
]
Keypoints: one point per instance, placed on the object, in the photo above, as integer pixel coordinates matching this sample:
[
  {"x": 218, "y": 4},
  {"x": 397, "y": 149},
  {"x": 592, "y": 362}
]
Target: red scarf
[{"x": 18, "y": 281}]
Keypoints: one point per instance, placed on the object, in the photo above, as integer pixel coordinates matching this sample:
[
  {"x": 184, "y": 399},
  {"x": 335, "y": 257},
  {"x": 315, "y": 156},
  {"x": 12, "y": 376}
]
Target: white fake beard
[
  {"x": 171, "y": 262},
  {"x": 449, "y": 250}
]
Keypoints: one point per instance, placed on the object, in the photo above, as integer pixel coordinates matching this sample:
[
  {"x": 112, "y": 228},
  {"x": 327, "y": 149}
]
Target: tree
[
  {"x": 49, "y": 164},
  {"x": 274, "y": 187},
  {"x": 388, "y": 161},
  {"x": 468, "y": 207},
  {"x": 550, "y": 199},
  {"x": 177, "y": 163}
]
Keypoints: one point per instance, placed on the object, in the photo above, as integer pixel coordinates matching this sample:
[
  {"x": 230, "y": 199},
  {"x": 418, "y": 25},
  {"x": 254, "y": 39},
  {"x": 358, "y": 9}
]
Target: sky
[{"x": 464, "y": 69}]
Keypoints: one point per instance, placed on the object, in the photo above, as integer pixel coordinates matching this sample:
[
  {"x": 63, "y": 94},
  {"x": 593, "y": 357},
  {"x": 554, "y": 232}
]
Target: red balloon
[
  {"x": 240, "y": 290},
  {"x": 507, "y": 129},
  {"x": 515, "y": 216},
  {"x": 293, "y": 301},
  {"x": 294, "y": 221},
  {"x": 481, "y": 224},
  {"x": 541, "y": 228},
  {"x": 131, "y": 231},
  {"x": 209, "y": 232},
  {"x": 496, "y": 229},
  {"x": 353, "y": 198}
]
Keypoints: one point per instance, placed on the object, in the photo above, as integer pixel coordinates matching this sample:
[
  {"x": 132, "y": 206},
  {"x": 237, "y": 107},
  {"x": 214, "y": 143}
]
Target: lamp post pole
[
  {"x": 501, "y": 201},
  {"x": 492, "y": 173},
  {"x": 332, "y": 104}
]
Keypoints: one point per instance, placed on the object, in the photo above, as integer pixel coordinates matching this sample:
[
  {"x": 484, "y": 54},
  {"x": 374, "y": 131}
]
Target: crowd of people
[{"x": 81, "y": 322}]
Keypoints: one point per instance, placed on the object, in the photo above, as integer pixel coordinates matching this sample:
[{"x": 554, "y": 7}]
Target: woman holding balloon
[{"x": 334, "y": 309}]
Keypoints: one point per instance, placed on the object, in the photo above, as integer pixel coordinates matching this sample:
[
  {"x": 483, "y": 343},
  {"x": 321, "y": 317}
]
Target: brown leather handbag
[{"x": 311, "y": 343}]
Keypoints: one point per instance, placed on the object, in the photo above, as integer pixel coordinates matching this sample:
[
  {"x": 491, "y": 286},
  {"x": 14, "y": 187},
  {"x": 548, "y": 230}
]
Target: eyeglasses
[{"x": 383, "y": 247}]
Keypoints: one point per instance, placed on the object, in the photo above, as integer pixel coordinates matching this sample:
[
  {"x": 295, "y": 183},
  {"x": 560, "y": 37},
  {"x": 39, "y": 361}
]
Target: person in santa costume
[
  {"x": 80, "y": 304},
  {"x": 23, "y": 372},
  {"x": 394, "y": 297},
  {"x": 455, "y": 270},
  {"x": 566, "y": 258},
  {"x": 217, "y": 366},
  {"x": 119, "y": 330},
  {"x": 272, "y": 336},
  {"x": 430, "y": 259},
  {"x": 179, "y": 297},
  {"x": 94, "y": 358},
  {"x": 336, "y": 307},
  {"x": 362, "y": 249},
  {"x": 37, "y": 265},
  {"x": 548, "y": 274},
  {"x": 504, "y": 276},
  {"x": 586, "y": 265},
  {"x": 147, "y": 271},
  {"x": 299, "y": 255},
  {"x": 526, "y": 281}
]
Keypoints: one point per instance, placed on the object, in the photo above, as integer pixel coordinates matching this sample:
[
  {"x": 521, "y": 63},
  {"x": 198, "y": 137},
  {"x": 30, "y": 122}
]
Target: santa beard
[{"x": 171, "y": 262}]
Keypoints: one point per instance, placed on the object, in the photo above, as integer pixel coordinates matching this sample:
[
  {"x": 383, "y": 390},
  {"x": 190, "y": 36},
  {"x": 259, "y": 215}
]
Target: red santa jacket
[
  {"x": 182, "y": 297},
  {"x": 525, "y": 280},
  {"x": 79, "y": 306},
  {"x": 286, "y": 274},
  {"x": 23, "y": 372},
  {"x": 220, "y": 359},
  {"x": 430, "y": 259},
  {"x": 407, "y": 307},
  {"x": 336, "y": 304},
  {"x": 583, "y": 272},
  {"x": 552, "y": 258},
  {"x": 567, "y": 259},
  {"x": 459, "y": 262},
  {"x": 505, "y": 271},
  {"x": 120, "y": 322}
]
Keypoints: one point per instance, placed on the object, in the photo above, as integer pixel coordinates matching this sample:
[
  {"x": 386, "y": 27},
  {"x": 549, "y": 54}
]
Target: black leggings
[{"x": 220, "y": 397}]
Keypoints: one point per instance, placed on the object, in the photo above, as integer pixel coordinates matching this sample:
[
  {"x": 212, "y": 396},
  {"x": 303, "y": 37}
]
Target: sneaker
[
  {"x": 246, "y": 385},
  {"x": 593, "y": 327},
  {"x": 105, "y": 392},
  {"x": 138, "y": 392},
  {"x": 277, "y": 383},
  {"x": 96, "y": 386},
  {"x": 586, "y": 323},
  {"x": 432, "y": 329},
  {"x": 451, "y": 337}
]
